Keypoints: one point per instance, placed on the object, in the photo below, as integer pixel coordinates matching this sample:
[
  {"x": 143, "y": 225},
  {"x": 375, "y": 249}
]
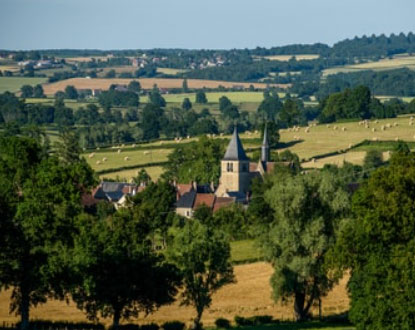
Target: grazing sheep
[
  {"x": 396, "y": 139},
  {"x": 350, "y": 146},
  {"x": 373, "y": 129},
  {"x": 91, "y": 155},
  {"x": 412, "y": 118},
  {"x": 221, "y": 134},
  {"x": 366, "y": 126},
  {"x": 104, "y": 159},
  {"x": 382, "y": 127},
  {"x": 335, "y": 128},
  {"x": 344, "y": 129},
  {"x": 328, "y": 126},
  {"x": 375, "y": 139},
  {"x": 388, "y": 125},
  {"x": 146, "y": 152},
  {"x": 119, "y": 151},
  {"x": 411, "y": 123},
  {"x": 307, "y": 130},
  {"x": 98, "y": 162},
  {"x": 98, "y": 148},
  {"x": 376, "y": 121},
  {"x": 123, "y": 145},
  {"x": 133, "y": 145},
  {"x": 188, "y": 137},
  {"x": 126, "y": 158},
  {"x": 395, "y": 124}
]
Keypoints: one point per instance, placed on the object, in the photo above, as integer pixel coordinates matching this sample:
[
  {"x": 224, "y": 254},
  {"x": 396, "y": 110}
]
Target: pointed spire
[
  {"x": 235, "y": 150},
  {"x": 265, "y": 146}
]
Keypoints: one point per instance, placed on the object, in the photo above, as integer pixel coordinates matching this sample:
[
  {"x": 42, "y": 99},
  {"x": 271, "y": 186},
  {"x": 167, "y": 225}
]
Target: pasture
[
  {"x": 170, "y": 71},
  {"x": 147, "y": 83},
  {"x": 9, "y": 67},
  {"x": 13, "y": 84},
  {"x": 322, "y": 139},
  {"x": 120, "y": 157},
  {"x": 250, "y": 295},
  {"x": 384, "y": 64},
  {"x": 154, "y": 171}
]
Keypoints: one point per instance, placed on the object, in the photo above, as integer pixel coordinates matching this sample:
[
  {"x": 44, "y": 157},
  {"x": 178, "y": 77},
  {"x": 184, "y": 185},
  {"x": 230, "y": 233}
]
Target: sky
[{"x": 195, "y": 24}]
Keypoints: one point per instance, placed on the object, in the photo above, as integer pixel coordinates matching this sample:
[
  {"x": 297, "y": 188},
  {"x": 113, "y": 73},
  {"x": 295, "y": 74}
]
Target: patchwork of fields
[{"x": 13, "y": 84}]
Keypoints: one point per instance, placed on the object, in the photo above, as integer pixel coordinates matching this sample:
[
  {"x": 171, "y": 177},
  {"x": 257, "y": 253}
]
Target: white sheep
[
  {"x": 307, "y": 130},
  {"x": 395, "y": 124},
  {"x": 98, "y": 162},
  {"x": 388, "y": 125},
  {"x": 396, "y": 139},
  {"x": 104, "y": 159},
  {"x": 119, "y": 151},
  {"x": 126, "y": 158},
  {"x": 375, "y": 139},
  {"x": 91, "y": 155},
  {"x": 373, "y": 129},
  {"x": 335, "y": 128},
  {"x": 133, "y": 145},
  {"x": 328, "y": 126},
  {"x": 146, "y": 152},
  {"x": 344, "y": 129},
  {"x": 382, "y": 127}
]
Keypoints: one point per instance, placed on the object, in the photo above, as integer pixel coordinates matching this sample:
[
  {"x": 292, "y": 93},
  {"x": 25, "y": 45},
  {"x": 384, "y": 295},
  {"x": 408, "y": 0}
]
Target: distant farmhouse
[{"x": 237, "y": 173}]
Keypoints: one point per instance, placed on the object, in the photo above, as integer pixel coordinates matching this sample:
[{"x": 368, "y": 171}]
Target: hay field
[
  {"x": 117, "y": 160},
  {"x": 9, "y": 67},
  {"x": 154, "y": 171},
  {"x": 85, "y": 59},
  {"x": 354, "y": 157},
  {"x": 322, "y": 139},
  {"x": 250, "y": 295},
  {"x": 383, "y": 64},
  {"x": 13, "y": 84},
  {"x": 286, "y": 58},
  {"x": 146, "y": 83},
  {"x": 170, "y": 71},
  {"x": 213, "y": 97}
]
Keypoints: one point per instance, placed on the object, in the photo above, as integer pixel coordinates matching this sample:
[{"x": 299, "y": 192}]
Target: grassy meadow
[
  {"x": 154, "y": 171},
  {"x": 13, "y": 84}
]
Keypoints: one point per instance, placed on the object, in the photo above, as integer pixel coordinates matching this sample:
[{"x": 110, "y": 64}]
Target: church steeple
[
  {"x": 235, "y": 150},
  {"x": 265, "y": 147}
]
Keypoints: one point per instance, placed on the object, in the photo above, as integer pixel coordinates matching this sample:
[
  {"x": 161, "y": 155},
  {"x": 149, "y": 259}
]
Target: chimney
[
  {"x": 194, "y": 185},
  {"x": 212, "y": 186}
]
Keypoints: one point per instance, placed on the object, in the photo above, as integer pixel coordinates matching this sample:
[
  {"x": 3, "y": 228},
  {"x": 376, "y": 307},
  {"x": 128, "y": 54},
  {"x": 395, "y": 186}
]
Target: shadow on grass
[{"x": 283, "y": 145}]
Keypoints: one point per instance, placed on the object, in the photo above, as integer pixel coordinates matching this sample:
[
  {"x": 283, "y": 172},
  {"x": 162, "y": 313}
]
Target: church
[{"x": 237, "y": 173}]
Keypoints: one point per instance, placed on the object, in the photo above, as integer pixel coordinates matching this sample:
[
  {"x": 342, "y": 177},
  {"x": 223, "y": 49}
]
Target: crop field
[
  {"x": 323, "y": 139},
  {"x": 250, "y": 295},
  {"x": 118, "y": 69},
  {"x": 146, "y": 83},
  {"x": 13, "y": 84},
  {"x": 285, "y": 58},
  {"x": 85, "y": 59},
  {"x": 170, "y": 71},
  {"x": 213, "y": 97},
  {"x": 9, "y": 67},
  {"x": 383, "y": 64}
]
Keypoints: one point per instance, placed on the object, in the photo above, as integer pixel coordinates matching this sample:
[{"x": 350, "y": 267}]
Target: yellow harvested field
[
  {"x": 298, "y": 57},
  {"x": 12, "y": 68},
  {"x": 383, "y": 64},
  {"x": 354, "y": 157},
  {"x": 322, "y": 139},
  {"x": 86, "y": 59},
  {"x": 250, "y": 295},
  {"x": 154, "y": 172},
  {"x": 147, "y": 83}
]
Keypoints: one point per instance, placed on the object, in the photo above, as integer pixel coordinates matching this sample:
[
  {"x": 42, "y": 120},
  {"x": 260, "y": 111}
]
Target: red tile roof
[{"x": 207, "y": 199}]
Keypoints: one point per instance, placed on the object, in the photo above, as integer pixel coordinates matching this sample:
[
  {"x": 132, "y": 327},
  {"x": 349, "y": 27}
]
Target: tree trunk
[
  {"x": 198, "y": 325},
  {"x": 299, "y": 301},
  {"x": 116, "y": 319},
  {"x": 24, "y": 310}
]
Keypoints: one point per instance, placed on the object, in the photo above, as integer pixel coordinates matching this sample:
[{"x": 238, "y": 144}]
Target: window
[{"x": 229, "y": 167}]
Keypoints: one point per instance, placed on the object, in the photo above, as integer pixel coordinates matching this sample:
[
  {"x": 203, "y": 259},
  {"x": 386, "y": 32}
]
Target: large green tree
[
  {"x": 377, "y": 246},
  {"x": 115, "y": 270},
  {"x": 42, "y": 197},
  {"x": 307, "y": 210},
  {"x": 203, "y": 256}
]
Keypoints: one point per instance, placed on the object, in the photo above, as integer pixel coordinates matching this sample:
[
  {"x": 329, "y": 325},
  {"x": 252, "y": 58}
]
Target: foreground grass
[{"x": 244, "y": 251}]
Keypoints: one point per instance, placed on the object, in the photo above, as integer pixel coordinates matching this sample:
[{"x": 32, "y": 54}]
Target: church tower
[
  {"x": 265, "y": 147},
  {"x": 234, "y": 169}
]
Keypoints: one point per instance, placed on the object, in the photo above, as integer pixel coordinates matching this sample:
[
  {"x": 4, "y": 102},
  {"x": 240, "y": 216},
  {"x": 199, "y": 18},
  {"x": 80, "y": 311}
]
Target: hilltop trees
[
  {"x": 377, "y": 246},
  {"x": 201, "y": 97},
  {"x": 307, "y": 210}
]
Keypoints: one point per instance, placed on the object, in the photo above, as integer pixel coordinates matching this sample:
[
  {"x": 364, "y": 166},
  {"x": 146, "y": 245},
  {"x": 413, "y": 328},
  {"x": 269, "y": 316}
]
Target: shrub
[
  {"x": 151, "y": 326},
  {"x": 129, "y": 326},
  {"x": 242, "y": 321},
  {"x": 261, "y": 319},
  {"x": 173, "y": 325},
  {"x": 223, "y": 323}
]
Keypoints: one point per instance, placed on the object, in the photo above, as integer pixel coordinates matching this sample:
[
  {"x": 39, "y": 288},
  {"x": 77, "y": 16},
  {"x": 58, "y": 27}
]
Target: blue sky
[{"x": 218, "y": 24}]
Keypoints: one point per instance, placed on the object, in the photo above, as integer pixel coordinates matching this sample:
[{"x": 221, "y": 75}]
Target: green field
[
  {"x": 245, "y": 250},
  {"x": 213, "y": 97},
  {"x": 126, "y": 175},
  {"x": 170, "y": 71},
  {"x": 13, "y": 84}
]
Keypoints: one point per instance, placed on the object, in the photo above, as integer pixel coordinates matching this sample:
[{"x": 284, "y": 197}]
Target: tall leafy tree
[
  {"x": 307, "y": 211},
  {"x": 201, "y": 97},
  {"x": 186, "y": 105},
  {"x": 377, "y": 247},
  {"x": 203, "y": 257},
  {"x": 155, "y": 97},
  {"x": 116, "y": 272},
  {"x": 43, "y": 199}
]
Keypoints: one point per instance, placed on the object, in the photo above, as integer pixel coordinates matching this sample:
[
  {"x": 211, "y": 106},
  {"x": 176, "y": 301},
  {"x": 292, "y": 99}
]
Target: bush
[
  {"x": 223, "y": 323},
  {"x": 129, "y": 326},
  {"x": 151, "y": 326},
  {"x": 261, "y": 319},
  {"x": 243, "y": 321},
  {"x": 173, "y": 325}
]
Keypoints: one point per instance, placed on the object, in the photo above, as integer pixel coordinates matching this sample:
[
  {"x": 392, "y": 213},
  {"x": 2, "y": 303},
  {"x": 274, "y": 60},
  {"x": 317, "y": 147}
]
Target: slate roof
[
  {"x": 235, "y": 150},
  {"x": 187, "y": 200},
  {"x": 113, "y": 191}
]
